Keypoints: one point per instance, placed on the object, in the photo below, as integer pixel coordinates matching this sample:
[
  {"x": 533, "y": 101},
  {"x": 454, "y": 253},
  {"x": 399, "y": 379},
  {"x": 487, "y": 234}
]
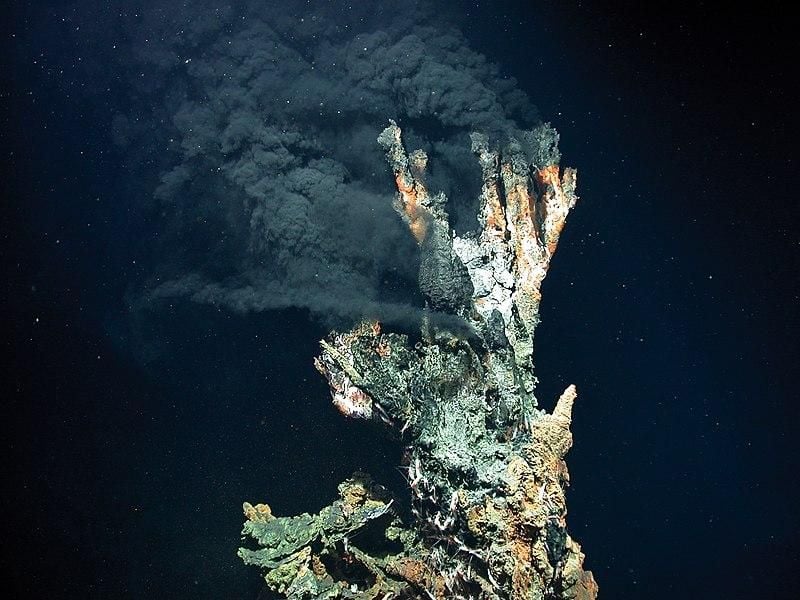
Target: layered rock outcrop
[{"x": 485, "y": 466}]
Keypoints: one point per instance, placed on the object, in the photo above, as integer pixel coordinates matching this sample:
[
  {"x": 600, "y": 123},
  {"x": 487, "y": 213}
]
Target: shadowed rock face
[{"x": 485, "y": 467}]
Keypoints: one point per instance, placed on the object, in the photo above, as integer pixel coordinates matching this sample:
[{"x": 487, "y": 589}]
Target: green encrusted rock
[
  {"x": 484, "y": 465},
  {"x": 279, "y": 538},
  {"x": 316, "y": 557}
]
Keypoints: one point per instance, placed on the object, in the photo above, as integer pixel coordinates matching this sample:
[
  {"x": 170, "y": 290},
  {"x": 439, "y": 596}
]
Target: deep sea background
[{"x": 131, "y": 438}]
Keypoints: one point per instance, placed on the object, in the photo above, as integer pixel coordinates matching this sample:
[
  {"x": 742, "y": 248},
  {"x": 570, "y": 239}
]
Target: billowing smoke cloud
[{"x": 274, "y": 192}]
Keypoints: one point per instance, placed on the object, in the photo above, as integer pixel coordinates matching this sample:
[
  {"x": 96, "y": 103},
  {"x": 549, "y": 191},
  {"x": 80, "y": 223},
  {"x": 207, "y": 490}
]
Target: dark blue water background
[{"x": 672, "y": 304}]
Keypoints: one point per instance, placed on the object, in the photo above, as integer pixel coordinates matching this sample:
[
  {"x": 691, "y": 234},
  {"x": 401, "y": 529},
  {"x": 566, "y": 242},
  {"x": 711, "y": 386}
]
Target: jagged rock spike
[{"x": 485, "y": 469}]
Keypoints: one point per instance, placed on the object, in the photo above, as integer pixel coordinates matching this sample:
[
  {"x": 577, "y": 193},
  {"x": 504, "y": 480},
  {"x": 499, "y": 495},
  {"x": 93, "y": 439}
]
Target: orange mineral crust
[{"x": 485, "y": 469}]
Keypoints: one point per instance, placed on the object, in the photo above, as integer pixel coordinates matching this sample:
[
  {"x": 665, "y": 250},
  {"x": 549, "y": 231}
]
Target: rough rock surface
[{"x": 484, "y": 465}]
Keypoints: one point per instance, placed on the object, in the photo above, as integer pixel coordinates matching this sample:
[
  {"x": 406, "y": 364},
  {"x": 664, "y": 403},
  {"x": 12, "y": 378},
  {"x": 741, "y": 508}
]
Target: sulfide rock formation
[{"x": 485, "y": 467}]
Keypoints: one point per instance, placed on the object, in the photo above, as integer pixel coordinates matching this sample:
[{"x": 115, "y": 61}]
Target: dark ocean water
[{"x": 136, "y": 427}]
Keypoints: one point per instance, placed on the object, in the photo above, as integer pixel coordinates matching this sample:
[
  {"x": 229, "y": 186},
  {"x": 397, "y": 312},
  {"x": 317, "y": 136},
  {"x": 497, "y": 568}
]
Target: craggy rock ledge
[{"x": 485, "y": 466}]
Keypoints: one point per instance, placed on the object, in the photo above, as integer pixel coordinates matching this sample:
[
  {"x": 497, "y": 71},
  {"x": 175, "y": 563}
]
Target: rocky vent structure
[{"x": 485, "y": 467}]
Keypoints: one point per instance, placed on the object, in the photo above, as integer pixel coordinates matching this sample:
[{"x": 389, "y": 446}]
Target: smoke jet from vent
[{"x": 272, "y": 192}]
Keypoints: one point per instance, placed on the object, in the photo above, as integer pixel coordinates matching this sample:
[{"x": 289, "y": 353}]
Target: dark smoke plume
[{"x": 273, "y": 191}]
